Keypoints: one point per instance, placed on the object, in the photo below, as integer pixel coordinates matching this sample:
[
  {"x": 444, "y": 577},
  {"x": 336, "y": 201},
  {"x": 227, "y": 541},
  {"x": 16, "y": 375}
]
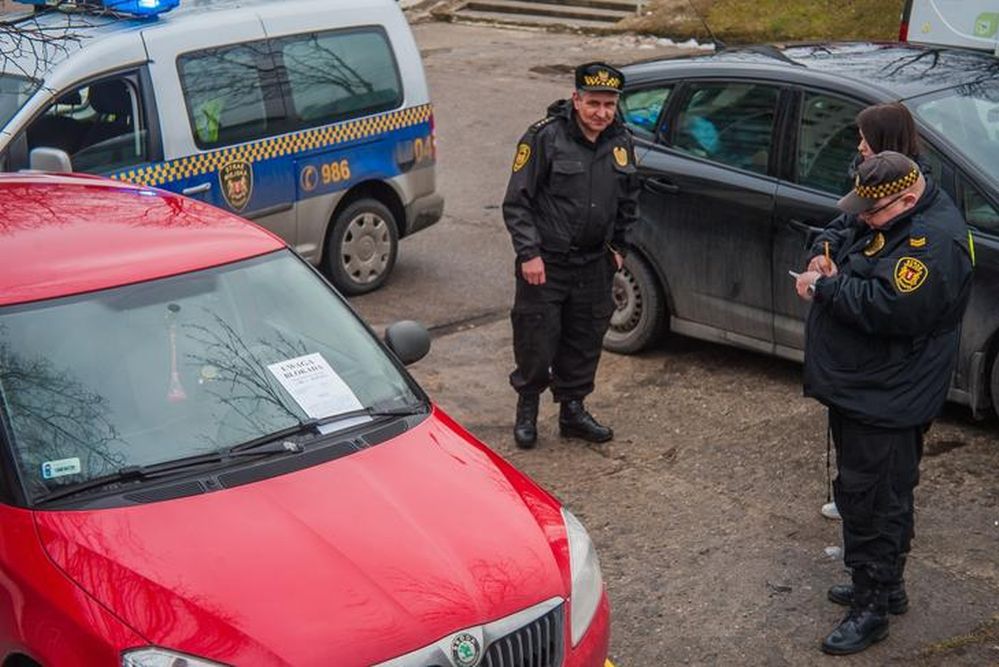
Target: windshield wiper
[
  {"x": 272, "y": 444},
  {"x": 314, "y": 426},
  {"x": 157, "y": 470}
]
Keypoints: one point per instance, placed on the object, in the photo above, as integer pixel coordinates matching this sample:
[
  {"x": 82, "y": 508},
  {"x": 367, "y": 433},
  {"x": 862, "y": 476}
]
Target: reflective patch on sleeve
[
  {"x": 910, "y": 274},
  {"x": 971, "y": 247},
  {"x": 523, "y": 155}
]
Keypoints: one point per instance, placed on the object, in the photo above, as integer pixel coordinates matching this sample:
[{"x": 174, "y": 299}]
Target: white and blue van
[{"x": 310, "y": 117}]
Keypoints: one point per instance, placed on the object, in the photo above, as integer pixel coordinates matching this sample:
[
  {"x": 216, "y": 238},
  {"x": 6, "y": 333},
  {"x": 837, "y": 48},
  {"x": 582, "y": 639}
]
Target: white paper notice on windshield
[{"x": 315, "y": 386}]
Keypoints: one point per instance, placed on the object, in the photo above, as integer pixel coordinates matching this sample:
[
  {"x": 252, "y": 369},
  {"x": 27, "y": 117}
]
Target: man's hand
[
  {"x": 826, "y": 267},
  {"x": 804, "y": 284},
  {"x": 533, "y": 271},
  {"x": 618, "y": 260}
]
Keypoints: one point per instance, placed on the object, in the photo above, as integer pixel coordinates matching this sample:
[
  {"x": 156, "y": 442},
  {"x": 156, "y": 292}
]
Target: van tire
[
  {"x": 361, "y": 247},
  {"x": 640, "y": 308}
]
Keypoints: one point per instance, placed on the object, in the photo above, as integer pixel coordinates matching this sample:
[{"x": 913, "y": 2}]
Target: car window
[
  {"x": 730, "y": 123},
  {"x": 227, "y": 92},
  {"x": 827, "y": 142},
  {"x": 640, "y": 109},
  {"x": 101, "y": 126},
  {"x": 978, "y": 211},
  {"x": 337, "y": 75}
]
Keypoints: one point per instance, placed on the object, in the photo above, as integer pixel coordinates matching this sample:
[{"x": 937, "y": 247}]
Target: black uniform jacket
[
  {"x": 568, "y": 196},
  {"x": 882, "y": 336}
]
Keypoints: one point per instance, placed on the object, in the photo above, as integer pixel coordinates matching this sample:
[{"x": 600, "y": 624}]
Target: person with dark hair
[
  {"x": 882, "y": 127},
  {"x": 881, "y": 344},
  {"x": 571, "y": 199}
]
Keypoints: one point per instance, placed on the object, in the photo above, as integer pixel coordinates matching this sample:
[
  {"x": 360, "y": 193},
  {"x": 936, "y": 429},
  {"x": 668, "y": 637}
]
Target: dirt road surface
[{"x": 704, "y": 508}]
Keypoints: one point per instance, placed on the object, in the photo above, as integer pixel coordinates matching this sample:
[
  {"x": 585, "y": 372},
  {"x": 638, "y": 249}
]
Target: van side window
[
  {"x": 338, "y": 75},
  {"x": 228, "y": 91},
  {"x": 101, "y": 126}
]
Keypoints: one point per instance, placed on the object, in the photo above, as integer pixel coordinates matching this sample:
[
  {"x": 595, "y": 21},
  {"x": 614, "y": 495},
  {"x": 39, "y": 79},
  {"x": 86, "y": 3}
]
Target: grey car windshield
[
  {"x": 968, "y": 116},
  {"x": 188, "y": 365}
]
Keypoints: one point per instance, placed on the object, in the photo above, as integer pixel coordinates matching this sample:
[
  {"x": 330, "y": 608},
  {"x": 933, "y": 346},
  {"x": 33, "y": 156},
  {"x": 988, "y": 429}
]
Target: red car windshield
[{"x": 174, "y": 368}]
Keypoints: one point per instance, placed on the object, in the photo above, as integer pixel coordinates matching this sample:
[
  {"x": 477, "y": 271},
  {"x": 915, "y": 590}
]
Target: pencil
[{"x": 827, "y": 250}]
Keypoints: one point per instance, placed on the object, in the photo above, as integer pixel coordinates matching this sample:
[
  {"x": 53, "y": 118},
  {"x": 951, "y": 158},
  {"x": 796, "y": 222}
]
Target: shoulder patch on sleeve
[
  {"x": 917, "y": 241},
  {"x": 910, "y": 274},
  {"x": 523, "y": 156}
]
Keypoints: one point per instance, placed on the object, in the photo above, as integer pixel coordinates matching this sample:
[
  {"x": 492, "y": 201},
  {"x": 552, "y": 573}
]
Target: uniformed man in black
[
  {"x": 571, "y": 199},
  {"x": 881, "y": 344}
]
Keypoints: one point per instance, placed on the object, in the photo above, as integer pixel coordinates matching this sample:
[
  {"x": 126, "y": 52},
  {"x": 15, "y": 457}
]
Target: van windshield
[
  {"x": 14, "y": 92},
  {"x": 968, "y": 116},
  {"x": 178, "y": 367}
]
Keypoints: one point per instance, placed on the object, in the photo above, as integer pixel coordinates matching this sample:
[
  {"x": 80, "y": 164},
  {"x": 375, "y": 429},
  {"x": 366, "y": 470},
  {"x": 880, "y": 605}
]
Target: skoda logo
[{"x": 465, "y": 650}]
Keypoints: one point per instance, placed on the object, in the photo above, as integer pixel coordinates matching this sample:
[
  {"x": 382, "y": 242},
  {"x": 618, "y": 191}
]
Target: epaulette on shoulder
[{"x": 541, "y": 123}]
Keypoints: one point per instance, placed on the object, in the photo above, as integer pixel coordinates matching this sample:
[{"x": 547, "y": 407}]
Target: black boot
[
  {"x": 898, "y": 601},
  {"x": 525, "y": 428},
  {"x": 867, "y": 620},
  {"x": 575, "y": 422}
]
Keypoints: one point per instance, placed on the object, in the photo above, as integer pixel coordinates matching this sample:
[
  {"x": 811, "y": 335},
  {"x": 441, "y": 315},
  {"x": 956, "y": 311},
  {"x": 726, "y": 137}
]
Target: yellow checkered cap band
[{"x": 888, "y": 188}]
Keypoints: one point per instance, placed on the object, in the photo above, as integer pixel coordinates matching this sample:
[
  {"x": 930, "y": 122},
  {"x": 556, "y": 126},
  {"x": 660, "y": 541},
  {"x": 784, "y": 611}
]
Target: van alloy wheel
[{"x": 362, "y": 247}]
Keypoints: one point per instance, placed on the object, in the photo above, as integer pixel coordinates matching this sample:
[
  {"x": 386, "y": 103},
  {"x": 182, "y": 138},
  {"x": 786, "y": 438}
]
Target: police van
[{"x": 310, "y": 117}]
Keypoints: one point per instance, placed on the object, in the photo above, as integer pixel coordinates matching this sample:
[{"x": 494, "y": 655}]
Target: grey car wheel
[
  {"x": 362, "y": 246},
  {"x": 637, "y": 321}
]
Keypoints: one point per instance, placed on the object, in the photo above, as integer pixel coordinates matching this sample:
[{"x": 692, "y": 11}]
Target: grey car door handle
[
  {"x": 197, "y": 189},
  {"x": 661, "y": 185}
]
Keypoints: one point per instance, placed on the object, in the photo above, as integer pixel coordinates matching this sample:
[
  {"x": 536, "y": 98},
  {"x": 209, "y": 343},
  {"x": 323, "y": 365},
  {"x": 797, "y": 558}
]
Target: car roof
[
  {"x": 68, "y": 234},
  {"x": 885, "y": 70},
  {"x": 68, "y": 32}
]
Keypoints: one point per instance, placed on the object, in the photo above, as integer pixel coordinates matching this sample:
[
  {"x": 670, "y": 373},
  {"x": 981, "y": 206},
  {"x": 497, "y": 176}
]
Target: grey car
[{"x": 743, "y": 155}]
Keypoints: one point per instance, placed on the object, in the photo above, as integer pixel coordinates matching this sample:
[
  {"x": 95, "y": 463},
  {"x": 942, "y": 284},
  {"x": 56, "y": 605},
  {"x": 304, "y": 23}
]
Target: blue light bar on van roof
[{"x": 143, "y": 8}]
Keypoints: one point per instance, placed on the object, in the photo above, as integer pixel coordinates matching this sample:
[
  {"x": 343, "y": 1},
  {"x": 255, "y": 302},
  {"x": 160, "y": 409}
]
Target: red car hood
[{"x": 350, "y": 562}]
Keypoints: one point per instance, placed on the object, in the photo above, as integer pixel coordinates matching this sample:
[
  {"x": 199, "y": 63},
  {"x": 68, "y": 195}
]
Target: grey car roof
[{"x": 881, "y": 70}]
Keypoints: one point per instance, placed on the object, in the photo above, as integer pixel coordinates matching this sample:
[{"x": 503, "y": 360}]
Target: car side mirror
[
  {"x": 53, "y": 160},
  {"x": 409, "y": 340}
]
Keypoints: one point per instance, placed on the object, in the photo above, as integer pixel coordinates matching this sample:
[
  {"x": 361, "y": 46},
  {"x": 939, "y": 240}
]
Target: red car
[{"x": 208, "y": 459}]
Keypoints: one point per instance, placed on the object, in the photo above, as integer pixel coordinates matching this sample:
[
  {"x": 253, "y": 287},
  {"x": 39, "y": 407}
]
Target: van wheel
[
  {"x": 361, "y": 248},
  {"x": 640, "y": 310}
]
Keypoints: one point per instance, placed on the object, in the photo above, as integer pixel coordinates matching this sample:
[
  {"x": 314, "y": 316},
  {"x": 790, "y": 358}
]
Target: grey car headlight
[
  {"x": 587, "y": 582},
  {"x": 159, "y": 657}
]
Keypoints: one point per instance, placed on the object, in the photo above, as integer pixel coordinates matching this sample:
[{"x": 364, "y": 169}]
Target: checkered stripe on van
[{"x": 162, "y": 173}]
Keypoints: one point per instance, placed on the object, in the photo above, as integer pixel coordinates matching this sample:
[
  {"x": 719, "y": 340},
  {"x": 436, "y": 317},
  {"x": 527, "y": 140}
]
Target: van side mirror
[
  {"x": 53, "y": 160},
  {"x": 409, "y": 340}
]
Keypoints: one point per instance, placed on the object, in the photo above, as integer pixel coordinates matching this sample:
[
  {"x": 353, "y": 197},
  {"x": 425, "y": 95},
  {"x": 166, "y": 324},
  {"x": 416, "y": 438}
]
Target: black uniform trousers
[
  {"x": 559, "y": 326},
  {"x": 877, "y": 471}
]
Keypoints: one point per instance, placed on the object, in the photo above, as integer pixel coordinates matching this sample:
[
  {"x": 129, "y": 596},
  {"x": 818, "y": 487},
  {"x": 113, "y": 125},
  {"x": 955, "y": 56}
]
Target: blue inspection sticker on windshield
[{"x": 61, "y": 468}]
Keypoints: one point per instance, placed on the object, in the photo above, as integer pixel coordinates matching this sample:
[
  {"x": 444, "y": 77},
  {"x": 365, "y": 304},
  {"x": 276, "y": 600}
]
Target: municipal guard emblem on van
[
  {"x": 910, "y": 273},
  {"x": 621, "y": 156},
  {"x": 465, "y": 650},
  {"x": 236, "y": 179}
]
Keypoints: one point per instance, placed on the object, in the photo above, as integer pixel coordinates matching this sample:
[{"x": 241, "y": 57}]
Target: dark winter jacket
[
  {"x": 882, "y": 335},
  {"x": 568, "y": 196}
]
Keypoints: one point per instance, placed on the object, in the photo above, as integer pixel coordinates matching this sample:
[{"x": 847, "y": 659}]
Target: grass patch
[
  {"x": 742, "y": 21},
  {"x": 987, "y": 632}
]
